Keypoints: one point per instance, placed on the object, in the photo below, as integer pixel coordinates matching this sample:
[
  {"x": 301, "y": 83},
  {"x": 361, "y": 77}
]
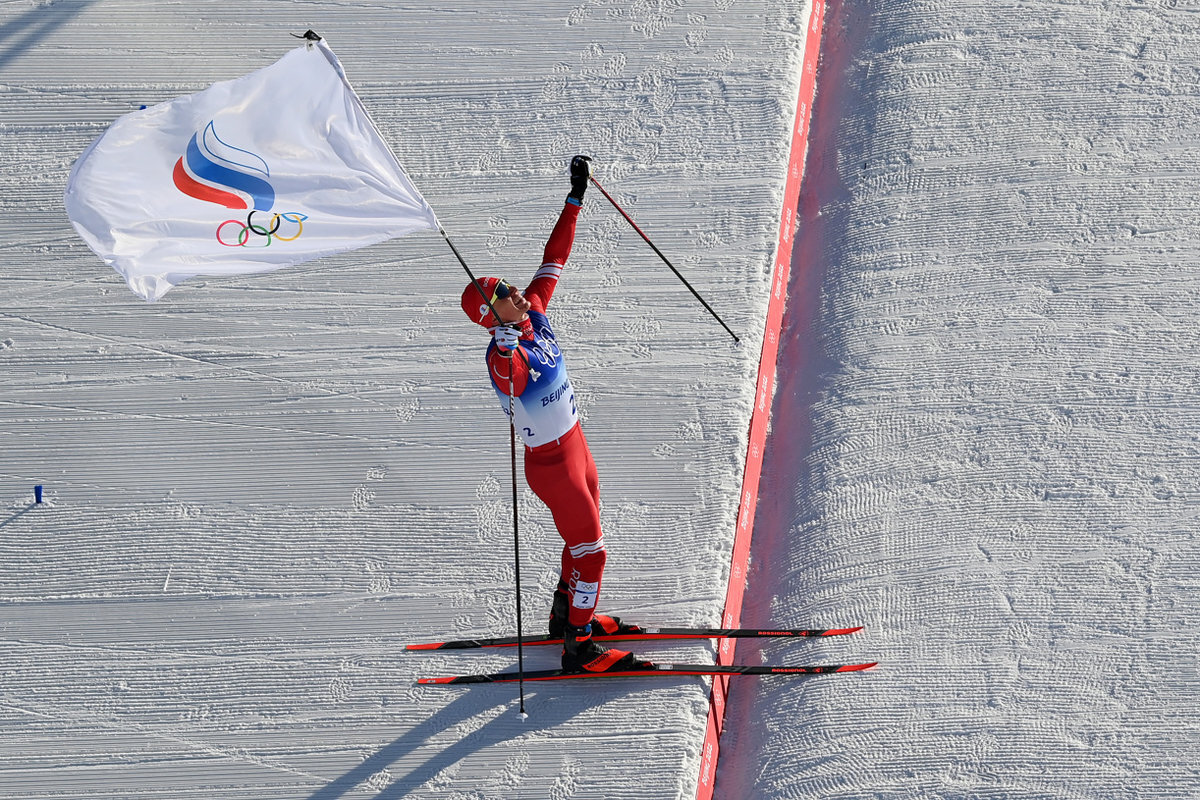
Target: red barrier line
[{"x": 760, "y": 417}]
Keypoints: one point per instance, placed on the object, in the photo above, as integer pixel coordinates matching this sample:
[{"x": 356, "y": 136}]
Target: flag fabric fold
[{"x": 280, "y": 166}]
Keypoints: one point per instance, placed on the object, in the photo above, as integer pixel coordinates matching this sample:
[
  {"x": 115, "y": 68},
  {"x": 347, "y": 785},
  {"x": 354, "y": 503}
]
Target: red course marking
[{"x": 762, "y": 406}]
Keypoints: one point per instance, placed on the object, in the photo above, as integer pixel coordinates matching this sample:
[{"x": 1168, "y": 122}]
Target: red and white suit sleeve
[{"x": 554, "y": 257}]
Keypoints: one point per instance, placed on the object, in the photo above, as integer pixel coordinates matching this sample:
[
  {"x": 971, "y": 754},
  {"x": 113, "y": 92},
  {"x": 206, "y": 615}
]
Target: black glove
[{"x": 580, "y": 171}]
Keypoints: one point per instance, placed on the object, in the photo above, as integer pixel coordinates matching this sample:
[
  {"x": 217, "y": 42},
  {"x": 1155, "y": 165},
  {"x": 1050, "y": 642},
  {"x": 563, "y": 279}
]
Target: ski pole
[
  {"x": 512, "y": 449},
  {"x": 512, "y": 446},
  {"x": 629, "y": 219}
]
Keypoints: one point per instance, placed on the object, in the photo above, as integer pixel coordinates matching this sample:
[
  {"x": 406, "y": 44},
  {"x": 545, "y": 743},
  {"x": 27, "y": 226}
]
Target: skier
[{"x": 524, "y": 358}]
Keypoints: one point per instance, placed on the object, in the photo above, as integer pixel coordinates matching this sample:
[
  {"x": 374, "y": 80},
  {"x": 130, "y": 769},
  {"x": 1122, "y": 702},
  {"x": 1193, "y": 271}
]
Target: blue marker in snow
[{"x": 37, "y": 494}]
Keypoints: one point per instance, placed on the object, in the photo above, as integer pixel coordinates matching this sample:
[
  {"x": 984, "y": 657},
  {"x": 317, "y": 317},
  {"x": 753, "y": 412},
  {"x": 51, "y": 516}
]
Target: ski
[
  {"x": 654, "y": 670},
  {"x": 638, "y": 634}
]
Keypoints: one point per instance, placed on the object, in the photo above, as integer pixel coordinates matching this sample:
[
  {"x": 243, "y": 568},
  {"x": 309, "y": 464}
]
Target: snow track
[
  {"x": 258, "y": 489},
  {"x": 984, "y": 444},
  {"x": 984, "y": 437}
]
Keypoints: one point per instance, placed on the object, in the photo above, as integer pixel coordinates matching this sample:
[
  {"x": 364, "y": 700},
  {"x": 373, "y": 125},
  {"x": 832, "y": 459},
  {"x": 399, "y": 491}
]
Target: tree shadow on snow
[
  {"x": 29, "y": 29},
  {"x": 547, "y": 709}
]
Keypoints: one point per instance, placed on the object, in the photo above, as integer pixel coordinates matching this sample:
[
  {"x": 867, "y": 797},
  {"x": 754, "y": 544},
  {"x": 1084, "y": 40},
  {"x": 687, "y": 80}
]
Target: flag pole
[{"x": 512, "y": 446}]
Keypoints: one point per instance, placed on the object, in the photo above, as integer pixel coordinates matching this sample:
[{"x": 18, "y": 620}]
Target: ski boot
[
  {"x": 558, "y": 610},
  {"x": 604, "y": 624},
  {"x": 582, "y": 654}
]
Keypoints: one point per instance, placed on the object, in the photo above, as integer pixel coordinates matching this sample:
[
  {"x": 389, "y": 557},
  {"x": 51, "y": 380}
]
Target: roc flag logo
[{"x": 215, "y": 171}]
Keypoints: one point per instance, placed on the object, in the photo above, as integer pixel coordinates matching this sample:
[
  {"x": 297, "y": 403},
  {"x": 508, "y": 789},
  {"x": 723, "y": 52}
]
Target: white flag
[{"x": 273, "y": 168}]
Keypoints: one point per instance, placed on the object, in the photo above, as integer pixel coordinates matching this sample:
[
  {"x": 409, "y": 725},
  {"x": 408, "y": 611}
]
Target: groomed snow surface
[
  {"x": 988, "y": 420},
  {"x": 985, "y": 429}
]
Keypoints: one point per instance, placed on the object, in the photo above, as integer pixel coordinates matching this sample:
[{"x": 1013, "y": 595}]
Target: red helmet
[{"x": 473, "y": 304}]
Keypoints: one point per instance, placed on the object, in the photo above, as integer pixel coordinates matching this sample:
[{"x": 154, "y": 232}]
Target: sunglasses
[{"x": 503, "y": 290}]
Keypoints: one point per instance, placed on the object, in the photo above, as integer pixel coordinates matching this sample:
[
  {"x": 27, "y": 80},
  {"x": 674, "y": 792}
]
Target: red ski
[
  {"x": 654, "y": 670},
  {"x": 640, "y": 634}
]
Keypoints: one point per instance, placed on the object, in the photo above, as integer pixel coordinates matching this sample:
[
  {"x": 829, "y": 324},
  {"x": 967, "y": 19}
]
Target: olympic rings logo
[{"x": 285, "y": 227}]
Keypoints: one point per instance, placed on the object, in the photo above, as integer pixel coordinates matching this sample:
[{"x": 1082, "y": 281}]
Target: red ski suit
[{"x": 560, "y": 470}]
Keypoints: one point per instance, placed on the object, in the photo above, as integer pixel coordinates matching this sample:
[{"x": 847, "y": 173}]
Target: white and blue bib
[{"x": 546, "y": 410}]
